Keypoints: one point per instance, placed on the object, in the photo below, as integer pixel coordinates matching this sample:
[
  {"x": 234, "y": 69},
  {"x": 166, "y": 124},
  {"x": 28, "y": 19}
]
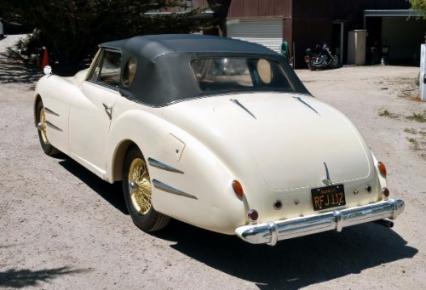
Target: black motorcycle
[{"x": 321, "y": 58}]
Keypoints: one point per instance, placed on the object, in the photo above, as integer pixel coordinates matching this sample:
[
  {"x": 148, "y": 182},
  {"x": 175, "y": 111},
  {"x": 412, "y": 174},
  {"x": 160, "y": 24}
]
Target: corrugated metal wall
[
  {"x": 267, "y": 32},
  {"x": 260, "y": 8},
  {"x": 257, "y": 8}
]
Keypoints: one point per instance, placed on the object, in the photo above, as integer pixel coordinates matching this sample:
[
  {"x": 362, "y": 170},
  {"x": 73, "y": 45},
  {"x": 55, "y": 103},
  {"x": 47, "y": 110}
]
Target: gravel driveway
[{"x": 62, "y": 228}]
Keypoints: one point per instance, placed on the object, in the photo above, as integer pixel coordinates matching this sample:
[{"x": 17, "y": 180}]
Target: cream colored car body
[{"x": 278, "y": 154}]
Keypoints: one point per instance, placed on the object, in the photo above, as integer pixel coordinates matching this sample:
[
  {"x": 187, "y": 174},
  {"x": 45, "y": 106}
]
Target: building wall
[
  {"x": 308, "y": 22},
  {"x": 261, "y": 8},
  {"x": 312, "y": 24},
  {"x": 313, "y": 20},
  {"x": 255, "y": 8}
]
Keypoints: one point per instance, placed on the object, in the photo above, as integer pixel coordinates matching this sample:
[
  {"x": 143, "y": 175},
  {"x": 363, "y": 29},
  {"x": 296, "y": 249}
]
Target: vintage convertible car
[{"x": 217, "y": 133}]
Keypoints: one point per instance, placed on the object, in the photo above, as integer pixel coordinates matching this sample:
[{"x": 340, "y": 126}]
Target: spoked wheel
[
  {"x": 137, "y": 189},
  {"x": 42, "y": 131}
]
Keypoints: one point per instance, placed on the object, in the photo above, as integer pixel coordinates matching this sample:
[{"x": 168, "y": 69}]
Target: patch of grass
[
  {"x": 414, "y": 143},
  {"x": 410, "y": 131},
  {"x": 418, "y": 117},
  {"x": 387, "y": 114}
]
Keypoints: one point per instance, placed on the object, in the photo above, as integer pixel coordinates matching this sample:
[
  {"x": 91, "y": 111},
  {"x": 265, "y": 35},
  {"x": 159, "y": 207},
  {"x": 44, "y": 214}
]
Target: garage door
[{"x": 266, "y": 32}]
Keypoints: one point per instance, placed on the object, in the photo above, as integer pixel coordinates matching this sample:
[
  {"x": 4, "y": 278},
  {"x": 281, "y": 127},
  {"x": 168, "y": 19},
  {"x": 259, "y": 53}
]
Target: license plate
[{"x": 327, "y": 197}]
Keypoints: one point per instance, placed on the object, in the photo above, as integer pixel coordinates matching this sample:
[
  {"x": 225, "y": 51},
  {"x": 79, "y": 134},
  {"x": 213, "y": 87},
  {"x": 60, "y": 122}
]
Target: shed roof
[{"x": 393, "y": 13}]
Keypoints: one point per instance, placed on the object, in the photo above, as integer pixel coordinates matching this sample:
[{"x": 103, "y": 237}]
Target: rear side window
[
  {"x": 129, "y": 72},
  {"x": 228, "y": 74},
  {"x": 110, "y": 70},
  {"x": 107, "y": 70}
]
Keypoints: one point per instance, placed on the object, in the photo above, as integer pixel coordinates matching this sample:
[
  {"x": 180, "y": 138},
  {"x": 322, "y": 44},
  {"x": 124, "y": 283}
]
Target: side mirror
[{"x": 47, "y": 70}]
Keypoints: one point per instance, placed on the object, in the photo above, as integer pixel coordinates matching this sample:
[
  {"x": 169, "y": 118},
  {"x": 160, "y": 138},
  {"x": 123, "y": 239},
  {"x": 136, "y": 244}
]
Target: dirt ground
[{"x": 63, "y": 228}]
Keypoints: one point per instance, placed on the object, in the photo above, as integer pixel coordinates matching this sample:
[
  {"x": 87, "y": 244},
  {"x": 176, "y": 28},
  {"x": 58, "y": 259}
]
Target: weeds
[
  {"x": 415, "y": 144},
  {"x": 387, "y": 114},
  {"x": 418, "y": 117},
  {"x": 410, "y": 131}
]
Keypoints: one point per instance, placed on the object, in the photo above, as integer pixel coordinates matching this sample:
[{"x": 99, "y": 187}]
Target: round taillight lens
[
  {"x": 238, "y": 189},
  {"x": 382, "y": 169},
  {"x": 253, "y": 215}
]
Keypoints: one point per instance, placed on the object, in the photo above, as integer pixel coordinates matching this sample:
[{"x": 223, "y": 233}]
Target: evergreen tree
[{"x": 71, "y": 29}]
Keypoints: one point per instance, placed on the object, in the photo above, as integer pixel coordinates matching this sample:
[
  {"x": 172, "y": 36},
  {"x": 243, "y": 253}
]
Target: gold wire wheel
[
  {"x": 42, "y": 126},
  {"x": 140, "y": 187}
]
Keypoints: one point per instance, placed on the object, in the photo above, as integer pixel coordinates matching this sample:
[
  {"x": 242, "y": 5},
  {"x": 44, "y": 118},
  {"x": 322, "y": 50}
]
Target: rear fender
[{"x": 208, "y": 200}]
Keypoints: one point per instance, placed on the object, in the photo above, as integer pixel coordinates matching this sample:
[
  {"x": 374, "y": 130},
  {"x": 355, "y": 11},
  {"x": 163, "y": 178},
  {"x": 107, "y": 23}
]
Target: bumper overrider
[{"x": 272, "y": 232}]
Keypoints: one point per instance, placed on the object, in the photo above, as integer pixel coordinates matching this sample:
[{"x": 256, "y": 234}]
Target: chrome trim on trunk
[
  {"x": 306, "y": 104},
  {"x": 163, "y": 166},
  {"x": 327, "y": 179},
  {"x": 272, "y": 232},
  {"x": 162, "y": 186},
  {"x": 238, "y": 103}
]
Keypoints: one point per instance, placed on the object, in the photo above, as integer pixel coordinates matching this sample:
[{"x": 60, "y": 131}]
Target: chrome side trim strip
[
  {"x": 306, "y": 104},
  {"x": 53, "y": 126},
  {"x": 162, "y": 186},
  {"x": 51, "y": 112},
  {"x": 163, "y": 166},
  {"x": 235, "y": 101}
]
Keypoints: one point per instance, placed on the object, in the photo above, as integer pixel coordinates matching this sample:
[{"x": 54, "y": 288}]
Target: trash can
[{"x": 357, "y": 41}]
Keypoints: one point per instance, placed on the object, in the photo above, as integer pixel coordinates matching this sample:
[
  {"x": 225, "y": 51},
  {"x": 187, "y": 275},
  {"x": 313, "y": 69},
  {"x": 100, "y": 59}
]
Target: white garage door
[{"x": 266, "y": 32}]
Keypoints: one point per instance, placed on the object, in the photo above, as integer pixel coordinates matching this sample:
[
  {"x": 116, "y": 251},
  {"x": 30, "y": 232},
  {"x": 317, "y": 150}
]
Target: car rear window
[{"x": 229, "y": 74}]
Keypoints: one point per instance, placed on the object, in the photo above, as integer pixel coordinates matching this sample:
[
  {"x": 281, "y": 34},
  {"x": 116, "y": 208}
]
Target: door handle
[{"x": 108, "y": 110}]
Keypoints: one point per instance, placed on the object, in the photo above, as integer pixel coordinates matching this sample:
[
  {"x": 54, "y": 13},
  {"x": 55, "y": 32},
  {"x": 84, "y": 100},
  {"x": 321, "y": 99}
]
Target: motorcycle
[{"x": 321, "y": 58}]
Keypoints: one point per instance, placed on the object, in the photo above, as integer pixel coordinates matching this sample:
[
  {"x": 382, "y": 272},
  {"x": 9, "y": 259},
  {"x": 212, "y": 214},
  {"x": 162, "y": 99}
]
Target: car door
[{"x": 90, "y": 116}]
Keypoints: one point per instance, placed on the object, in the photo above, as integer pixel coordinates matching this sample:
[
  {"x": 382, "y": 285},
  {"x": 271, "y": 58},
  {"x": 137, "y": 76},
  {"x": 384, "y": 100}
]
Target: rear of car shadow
[
  {"x": 295, "y": 263},
  {"x": 292, "y": 264}
]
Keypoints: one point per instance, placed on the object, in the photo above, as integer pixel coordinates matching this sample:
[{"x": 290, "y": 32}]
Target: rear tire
[
  {"x": 48, "y": 149},
  {"x": 137, "y": 190}
]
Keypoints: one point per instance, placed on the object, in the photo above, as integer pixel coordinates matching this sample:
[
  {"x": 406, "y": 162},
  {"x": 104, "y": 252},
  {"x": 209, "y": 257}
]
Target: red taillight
[
  {"x": 382, "y": 169},
  {"x": 385, "y": 192},
  {"x": 253, "y": 215},
  {"x": 238, "y": 189}
]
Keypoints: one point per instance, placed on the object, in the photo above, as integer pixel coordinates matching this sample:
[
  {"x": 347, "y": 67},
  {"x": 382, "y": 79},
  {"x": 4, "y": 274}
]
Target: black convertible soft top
[{"x": 164, "y": 74}]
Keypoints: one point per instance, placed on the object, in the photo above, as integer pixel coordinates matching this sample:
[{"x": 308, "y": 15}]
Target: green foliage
[
  {"x": 418, "y": 4},
  {"x": 71, "y": 29}
]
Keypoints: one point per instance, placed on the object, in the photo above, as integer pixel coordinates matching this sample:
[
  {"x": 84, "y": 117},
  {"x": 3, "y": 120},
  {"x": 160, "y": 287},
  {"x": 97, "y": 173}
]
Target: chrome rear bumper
[{"x": 272, "y": 232}]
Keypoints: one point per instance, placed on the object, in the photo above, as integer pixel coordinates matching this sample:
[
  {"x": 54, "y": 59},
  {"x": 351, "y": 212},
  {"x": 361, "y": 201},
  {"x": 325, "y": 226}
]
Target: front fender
[{"x": 56, "y": 93}]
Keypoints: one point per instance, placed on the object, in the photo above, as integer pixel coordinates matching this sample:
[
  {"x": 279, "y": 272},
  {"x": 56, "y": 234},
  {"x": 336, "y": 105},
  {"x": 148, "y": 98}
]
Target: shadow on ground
[
  {"x": 14, "y": 71},
  {"x": 294, "y": 263},
  {"x": 19, "y": 278},
  {"x": 110, "y": 192},
  {"x": 291, "y": 264}
]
